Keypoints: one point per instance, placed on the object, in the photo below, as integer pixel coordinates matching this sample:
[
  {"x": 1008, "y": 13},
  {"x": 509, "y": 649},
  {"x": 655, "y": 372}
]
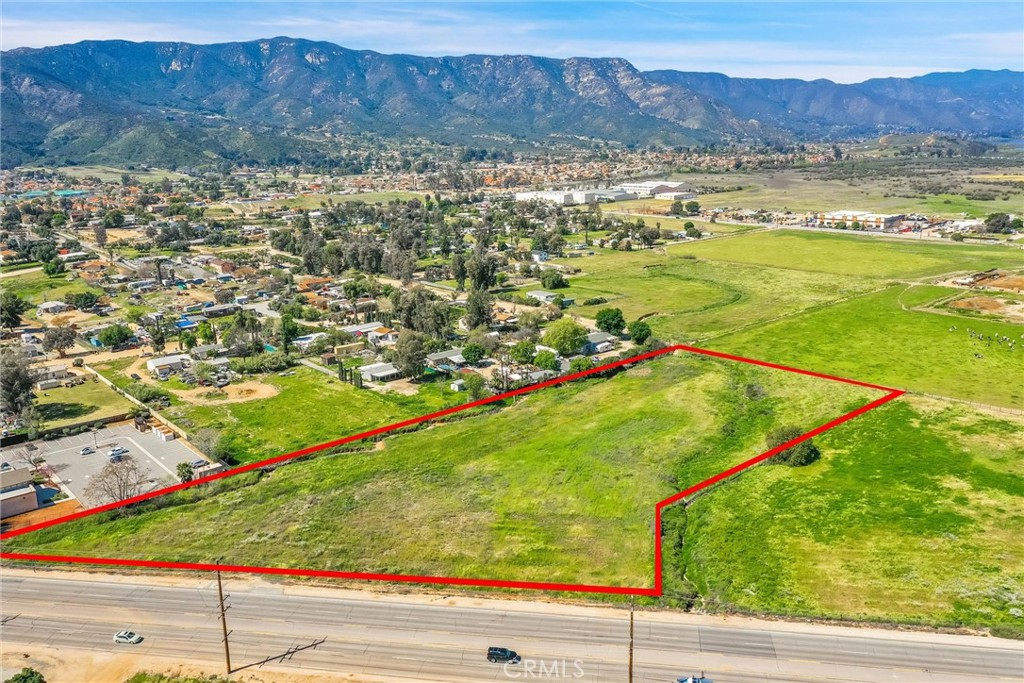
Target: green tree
[
  {"x": 15, "y": 381},
  {"x": 11, "y": 308},
  {"x": 410, "y": 353},
  {"x": 545, "y": 360},
  {"x": 566, "y": 336},
  {"x": 58, "y": 339},
  {"x": 639, "y": 331},
  {"x": 693, "y": 232},
  {"x": 676, "y": 209},
  {"x": 54, "y": 267},
  {"x": 113, "y": 219},
  {"x": 184, "y": 472},
  {"x": 82, "y": 300},
  {"x": 26, "y": 675},
  {"x": 692, "y": 207},
  {"x": 523, "y": 352},
  {"x": 100, "y": 235},
  {"x": 552, "y": 279},
  {"x": 803, "y": 453},
  {"x": 114, "y": 336},
  {"x": 479, "y": 309},
  {"x": 206, "y": 333},
  {"x": 188, "y": 340},
  {"x": 610, "y": 320},
  {"x": 288, "y": 331},
  {"x": 473, "y": 353},
  {"x": 204, "y": 371},
  {"x": 581, "y": 364},
  {"x": 459, "y": 273},
  {"x": 475, "y": 385}
]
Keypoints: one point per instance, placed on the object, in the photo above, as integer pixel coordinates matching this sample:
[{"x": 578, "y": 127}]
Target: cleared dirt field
[{"x": 1005, "y": 308}]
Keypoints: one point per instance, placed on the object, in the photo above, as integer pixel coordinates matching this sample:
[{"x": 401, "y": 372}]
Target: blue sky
[{"x": 845, "y": 42}]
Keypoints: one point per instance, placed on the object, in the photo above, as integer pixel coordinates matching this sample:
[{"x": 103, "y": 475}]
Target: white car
[
  {"x": 116, "y": 450},
  {"x": 88, "y": 450},
  {"x": 127, "y": 637}
]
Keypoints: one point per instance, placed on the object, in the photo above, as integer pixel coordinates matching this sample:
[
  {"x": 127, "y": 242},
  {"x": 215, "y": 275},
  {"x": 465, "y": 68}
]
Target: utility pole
[
  {"x": 224, "y": 621},
  {"x": 632, "y": 599}
]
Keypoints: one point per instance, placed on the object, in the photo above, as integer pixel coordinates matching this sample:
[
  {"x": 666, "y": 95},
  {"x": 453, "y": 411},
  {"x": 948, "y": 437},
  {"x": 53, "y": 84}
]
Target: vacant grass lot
[
  {"x": 317, "y": 201},
  {"x": 879, "y": 338},
  {"x": 38, "y": 287},
  {"x": 913, "y": 515},
  {"x": 672, "y": 223},
  {"x": 811, "y": 190},
  {"x": 310, "y": 408},
  {"x": 86, "y": 402},
  {"x": 857, "y": 255},
  {"x": 687, "y": 299},
  {"x": 560, "y": 487}
]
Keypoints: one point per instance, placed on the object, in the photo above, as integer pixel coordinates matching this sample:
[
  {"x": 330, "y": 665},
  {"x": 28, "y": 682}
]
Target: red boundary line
[{"x": 456, "y": 581}]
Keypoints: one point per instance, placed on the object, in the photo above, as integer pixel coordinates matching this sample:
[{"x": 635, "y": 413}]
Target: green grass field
[
  {"x": 857, "y": 255},
  {"x": 559, "y": 487},
  {"x": 85, "y": 402},
  {"x": 670, "y": 223},
  {"x": 38, "y": 287},
  {"x": 110, "y": 174},
  {"x": 686, "y": 299},
  {"x": 317, "y": 201},
  {"x": 811, "y": 190},
  {"x": 878, "y": 338},
  {"x": 310, "y": 408},
  {"x": 913, "y": 516}
]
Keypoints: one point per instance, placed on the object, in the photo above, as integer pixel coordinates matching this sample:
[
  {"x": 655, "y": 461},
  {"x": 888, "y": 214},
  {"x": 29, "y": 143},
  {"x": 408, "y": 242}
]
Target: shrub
[
  {"x": 804, "y": 453},
  {"x": 263, "y": 362}
]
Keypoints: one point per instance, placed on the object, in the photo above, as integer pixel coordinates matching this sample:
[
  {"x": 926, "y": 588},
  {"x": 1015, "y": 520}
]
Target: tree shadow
[{"x": 56, "y": 412}]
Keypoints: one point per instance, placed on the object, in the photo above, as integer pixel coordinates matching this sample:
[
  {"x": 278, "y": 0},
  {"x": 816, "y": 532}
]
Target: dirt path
[{"x": 209, "y": 396}]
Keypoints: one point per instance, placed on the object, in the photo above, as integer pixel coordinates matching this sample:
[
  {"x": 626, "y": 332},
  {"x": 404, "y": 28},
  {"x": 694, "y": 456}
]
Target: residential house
[
  {"x": 379, "y": 372},
  {"x": 361, "y": 329},
  {"x": 17, "y": 491},
  {"x": 221, "y": 310},
  {"x": 208, "y": 351},
  {"x": 598, "y": 342},
  {"x": 52, "y": 308},
  {"x": 542, "y": 296},
  {"x": 167, "y": 364},
  {"x": 446, "y": 361},
  {"x": 382, "y": 335}
]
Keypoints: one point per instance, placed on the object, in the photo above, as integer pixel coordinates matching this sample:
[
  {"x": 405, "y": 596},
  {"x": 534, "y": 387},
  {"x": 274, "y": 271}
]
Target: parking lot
[{"x": 156, "y": 457}]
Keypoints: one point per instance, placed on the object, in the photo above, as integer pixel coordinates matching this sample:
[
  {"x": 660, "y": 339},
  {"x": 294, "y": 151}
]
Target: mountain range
[{"x": 274, "y": 100}]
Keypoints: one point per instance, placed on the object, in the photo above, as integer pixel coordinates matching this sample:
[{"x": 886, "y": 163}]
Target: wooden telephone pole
[
  {"x": 632, "y": 599},
  {"x": 223, "y": 621}
]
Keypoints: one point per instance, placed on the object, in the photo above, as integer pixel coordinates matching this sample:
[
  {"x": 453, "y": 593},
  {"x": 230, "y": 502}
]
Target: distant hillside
[{"x": 271, "y": 100}]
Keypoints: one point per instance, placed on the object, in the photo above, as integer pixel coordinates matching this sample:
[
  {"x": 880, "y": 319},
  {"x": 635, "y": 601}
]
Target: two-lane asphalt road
[{"x": 421, "y": 638}]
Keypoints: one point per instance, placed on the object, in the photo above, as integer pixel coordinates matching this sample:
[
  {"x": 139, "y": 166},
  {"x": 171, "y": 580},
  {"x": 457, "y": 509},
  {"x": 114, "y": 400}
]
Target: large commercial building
[
  {"x": 662, "y": 189},
  {"x": 866, "y": 220}
]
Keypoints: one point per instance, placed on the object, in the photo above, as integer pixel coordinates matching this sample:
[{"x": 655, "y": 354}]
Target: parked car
[
  {"x": 127, "y": 637},
  {"x": 135, "y": 376},
  {"x": 502, "y": 654},
  {"x": 695, "y": 679},
  {"x": 196, "y": 464},
  {"x": 88, "y": 450},
  {"x": 117, "y": 450}
]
